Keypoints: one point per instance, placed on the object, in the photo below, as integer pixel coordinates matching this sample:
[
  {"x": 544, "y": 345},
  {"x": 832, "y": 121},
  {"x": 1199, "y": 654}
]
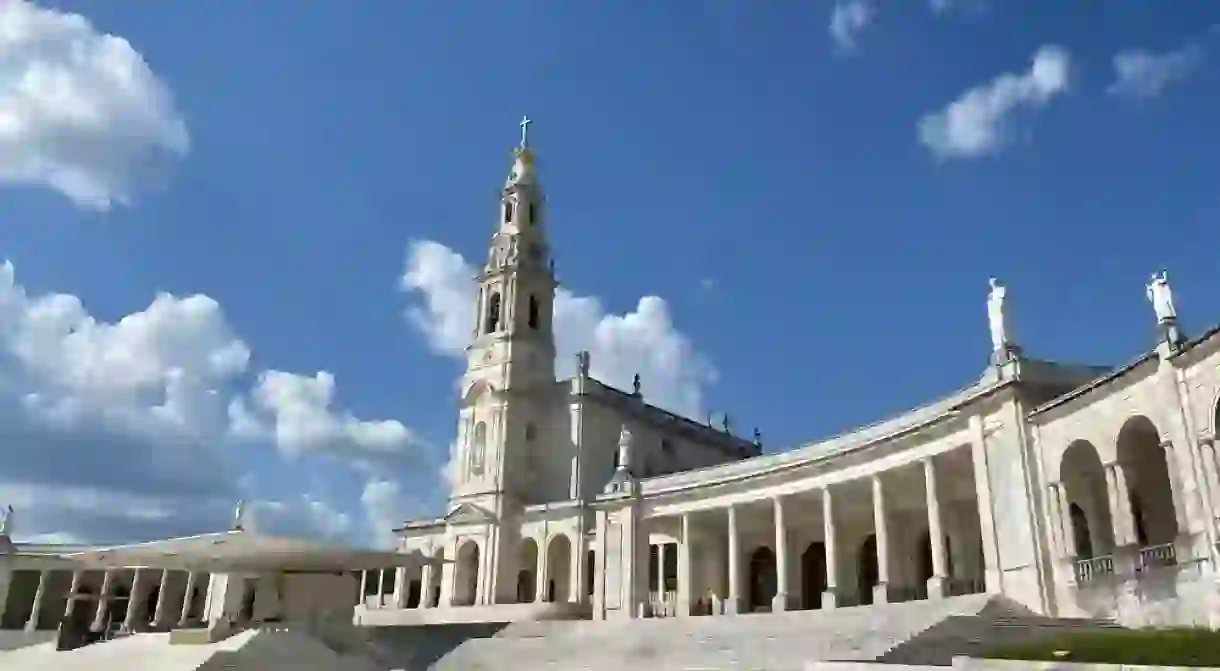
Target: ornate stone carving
[{"x": 1161, "y": 297}]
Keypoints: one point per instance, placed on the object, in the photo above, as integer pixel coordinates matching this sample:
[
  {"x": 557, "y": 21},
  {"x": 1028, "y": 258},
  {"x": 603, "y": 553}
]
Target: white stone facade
[{"x": 1075, "y": 490}]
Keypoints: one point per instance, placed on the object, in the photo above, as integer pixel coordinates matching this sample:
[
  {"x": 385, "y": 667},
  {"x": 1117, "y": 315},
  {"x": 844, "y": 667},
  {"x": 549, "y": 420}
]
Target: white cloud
[
  {"x": 306, "y": 516},
  {"x": 118, "y": 431},
  {"x": 979, "y": 121},
  {"x": 386, "y": 506},
  {"x": 294, "y": 411},
  {"x": 1140, "y": 74},
  {"x": 80, "y": 111},
  {"x": 848, "y": 19},
  {"x": 644, "y": 341}
]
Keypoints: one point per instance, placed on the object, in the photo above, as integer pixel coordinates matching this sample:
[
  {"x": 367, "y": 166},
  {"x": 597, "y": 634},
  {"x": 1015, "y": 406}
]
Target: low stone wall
[
  {"x": 1184, "y": 595},
  {"x": 974, "y": 664}
]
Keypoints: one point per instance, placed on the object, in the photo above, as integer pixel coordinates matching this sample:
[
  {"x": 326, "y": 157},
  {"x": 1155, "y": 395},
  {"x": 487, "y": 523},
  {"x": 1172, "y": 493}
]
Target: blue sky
[{"x": 808, "y": 196}]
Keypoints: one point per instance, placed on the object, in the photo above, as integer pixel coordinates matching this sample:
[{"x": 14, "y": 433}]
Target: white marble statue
[
  {"x": 239, "y": 515},
  {"x": 995, "y": 315},
  {"x": 6, "y": 521},
  {"x": 1161, "y": 297},
  {"x": 624, "y": 448}
]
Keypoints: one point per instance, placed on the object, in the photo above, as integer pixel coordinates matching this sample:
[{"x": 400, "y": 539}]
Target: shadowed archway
[
  {"x": 1149, "y": 485},
  {"x": 1084, "y": 482}
]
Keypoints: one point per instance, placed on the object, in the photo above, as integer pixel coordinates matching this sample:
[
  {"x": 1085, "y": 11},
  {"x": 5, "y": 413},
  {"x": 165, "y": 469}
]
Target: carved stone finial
[
  {"x": 6, "y": 521},
  {"x": 726, "y": 423},
  {"x": 582, "y": 363},
  {"x": 635, "y": 384}
]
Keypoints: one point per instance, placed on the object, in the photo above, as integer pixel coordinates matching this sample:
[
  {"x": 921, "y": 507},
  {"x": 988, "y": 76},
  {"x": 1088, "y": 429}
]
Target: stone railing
[
  {"x": 1091, "y": 569},
  {"x": 663, "y": 604},
  {"x": 1157, "y": 556}
]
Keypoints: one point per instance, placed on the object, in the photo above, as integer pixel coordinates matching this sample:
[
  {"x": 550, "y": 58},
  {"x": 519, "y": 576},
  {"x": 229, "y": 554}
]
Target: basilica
[
  {"x": 1071, "y": 490},
  {"x": 1074, "y": 490}
]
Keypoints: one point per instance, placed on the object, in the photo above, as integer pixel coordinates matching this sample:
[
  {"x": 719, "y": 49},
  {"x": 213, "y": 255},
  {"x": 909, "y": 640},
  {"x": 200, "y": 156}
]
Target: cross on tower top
[{"x": 525, "y": 123}]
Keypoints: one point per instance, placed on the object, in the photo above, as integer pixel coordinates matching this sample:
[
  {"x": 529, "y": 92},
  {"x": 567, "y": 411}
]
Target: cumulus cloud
[
  {"x": 116, "y": 431},
  {"x": 1141, "y": 74},
  {"x": 848, "y": 19},
  {"x": 979, "y": 121},
  {"x": 643, "y": 341},
  {"x": 81, "y": 112},
  {"x": 295, "y": 412}
]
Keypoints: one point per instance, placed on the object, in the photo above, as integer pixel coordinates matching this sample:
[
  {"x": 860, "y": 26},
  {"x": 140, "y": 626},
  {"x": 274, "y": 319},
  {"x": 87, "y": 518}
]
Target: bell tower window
[
  {"x": 533, "y": 219},
  {"x": 493, "y": 314},
  {"x": 508, "y": 211},
  {"x": 533, "y": 312}
]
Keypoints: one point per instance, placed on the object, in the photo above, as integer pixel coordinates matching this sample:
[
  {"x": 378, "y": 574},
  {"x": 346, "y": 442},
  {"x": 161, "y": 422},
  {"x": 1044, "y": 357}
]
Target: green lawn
[{"x": 1154, "y": 647}]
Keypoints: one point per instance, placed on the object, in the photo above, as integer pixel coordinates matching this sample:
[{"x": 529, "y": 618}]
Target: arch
[
  {"x": 867, "y": 574},
  {"x": 466, "y": 583},
  {"x": 534, "y": 320},
  {"x": 527, "y": 571},
  {"x": 478, "y": 391},
  {"x": 1084, "y": 482},
  {"x": 1149, "y": 485},
  {"x": 763, "y": 583},
  {"x": 508, "y": 211},
  {"x": 492, "y": 323},
  {"x": 813, "y": 574},
  {"x": 558, "y": 568}
]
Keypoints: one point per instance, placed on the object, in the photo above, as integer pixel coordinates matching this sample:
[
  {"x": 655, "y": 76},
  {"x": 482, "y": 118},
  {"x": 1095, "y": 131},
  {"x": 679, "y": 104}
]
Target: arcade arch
[
  {"x": 1084, "y": 481},
  {"x": 558, "y": 568},
  {"x": 1149, "y": 487},
  {"x": 527, "y": 571},
  {"x": 466, "y": 585}
]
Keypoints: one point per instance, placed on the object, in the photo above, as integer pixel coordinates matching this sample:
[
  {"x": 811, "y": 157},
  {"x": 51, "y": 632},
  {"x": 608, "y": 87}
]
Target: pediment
[{"x": 468, "y": 513}]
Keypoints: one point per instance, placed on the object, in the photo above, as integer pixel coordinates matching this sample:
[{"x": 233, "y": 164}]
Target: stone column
[
  {"x": 881, "y": 591},
  {"x": 684, "y": 568},
  {"x": 830, "y": 598},
  {"x": 661, "y": 569},
  {"x": 185, "y": 614},
  {"x": 381, "y": 587},
  {"x": 425, "y": 586},
  {"x": 780, "y": 602},
  {"x": 936, "y": 536},
  {"x": 364, "y": 587},
  {"x": 540, "y": 572},
  {"x": 1207, "y": 448},
  {"x": 99, "y": 615},
  {"x": 135, "y": 600},
  {"x": 70, "y": 606},
  {"x": 162, "y": 596},
  {"x": 1176, "y": 489},
  {"x": 1055, "y": 523},
  {"x": 43, "y": 577},
  {"x": 732, "y": 604},
  {"x": 402, "y": 588},
  {"x": 1122, "y": 491},
  {"x": 600, "y": 547},
  {"x": 1065, "y": 523}
]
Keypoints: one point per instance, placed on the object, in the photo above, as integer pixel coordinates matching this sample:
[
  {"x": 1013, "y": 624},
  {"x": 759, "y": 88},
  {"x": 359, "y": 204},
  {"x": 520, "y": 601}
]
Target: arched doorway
[
  {"x": 466, "y": 585},
  {"x": 527, "y": 571},
  {"x": 590, "y": 569},
  {"x": 1084, "y": 481},
  {"x": 866, "y": 575},
  {"x": 1150, "y": 489},
  {"x": 813, "y": 575},
  {"x": 762, "y": 578},
  {"x": 558, "y": 569}
]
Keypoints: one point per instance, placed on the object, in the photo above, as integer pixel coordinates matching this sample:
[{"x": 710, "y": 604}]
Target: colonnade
[
  {"x": 150, "y": 590},
  {"x": 934, "y": 578}
]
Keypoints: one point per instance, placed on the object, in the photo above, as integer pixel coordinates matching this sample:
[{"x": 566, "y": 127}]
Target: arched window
[
  {"x": 532, "y": 219},
  {"x": 493, "y": 314},
  {"x": 533, "y": 316},
  {"x": 508, "y": 211},
  {"x": 478, "y": 448}
]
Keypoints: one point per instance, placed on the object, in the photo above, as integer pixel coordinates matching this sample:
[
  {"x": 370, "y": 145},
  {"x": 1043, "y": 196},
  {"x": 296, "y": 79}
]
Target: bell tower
[{"x": 511, "y": 358}]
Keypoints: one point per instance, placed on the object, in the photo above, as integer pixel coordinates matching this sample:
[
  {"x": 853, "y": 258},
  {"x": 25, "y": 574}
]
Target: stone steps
[{"x": 763, "y": 641}]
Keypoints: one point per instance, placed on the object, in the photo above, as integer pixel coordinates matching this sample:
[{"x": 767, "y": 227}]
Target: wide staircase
[
  {"x": 917, "y": 632},
  {"x": 268, "y": 648}
]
